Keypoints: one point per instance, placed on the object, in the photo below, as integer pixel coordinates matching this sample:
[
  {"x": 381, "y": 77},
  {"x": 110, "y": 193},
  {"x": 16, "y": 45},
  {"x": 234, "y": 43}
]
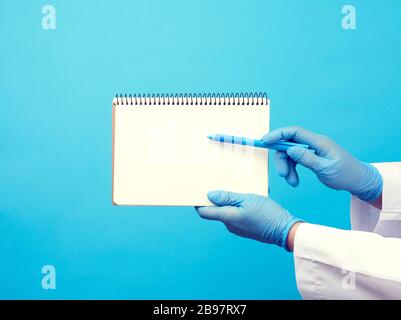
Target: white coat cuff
[
  {"x": 306, "y": 266},
  {"x": 365, "y": 217},
  {"x": 391, "y": 195}
]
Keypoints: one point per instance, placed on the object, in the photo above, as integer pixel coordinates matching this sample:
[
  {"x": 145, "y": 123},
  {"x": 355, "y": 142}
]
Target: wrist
[
  {"x": 291, "y": 236},
  {"x": 371, "y": 185}
]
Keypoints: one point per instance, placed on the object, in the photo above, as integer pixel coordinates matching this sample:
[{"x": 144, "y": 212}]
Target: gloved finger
[
  {"x": 225, "y": 198},
  {"x": 293, "y": 133},
  {"x": 305, "y": 157},
  {"x": 216, "y": 213},
  {"x": 292, "y": 177},
  {"x": 281, "y": 162}
]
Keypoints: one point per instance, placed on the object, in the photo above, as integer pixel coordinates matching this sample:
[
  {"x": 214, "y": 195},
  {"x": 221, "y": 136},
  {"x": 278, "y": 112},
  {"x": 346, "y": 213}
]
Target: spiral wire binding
[{"x": 192, "y": 99}]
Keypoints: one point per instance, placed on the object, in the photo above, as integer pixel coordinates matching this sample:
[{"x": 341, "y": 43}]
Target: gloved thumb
[
  {"x": 225, "y": 198},
  {"x": 305, "y": 157}
]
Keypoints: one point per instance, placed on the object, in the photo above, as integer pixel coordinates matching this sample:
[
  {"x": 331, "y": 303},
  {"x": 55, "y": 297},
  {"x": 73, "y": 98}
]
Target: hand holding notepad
[{"x": 161, "y": 155}]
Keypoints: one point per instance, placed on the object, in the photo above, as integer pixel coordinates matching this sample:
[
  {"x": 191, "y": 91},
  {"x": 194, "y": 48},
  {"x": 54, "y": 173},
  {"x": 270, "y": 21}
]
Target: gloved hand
[
  {"x": 250, "y": 215},
  {"x": 333, "y": 165}
]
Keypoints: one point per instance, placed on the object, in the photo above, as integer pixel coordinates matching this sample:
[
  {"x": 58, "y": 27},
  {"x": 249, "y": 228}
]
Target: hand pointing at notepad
[{"x": 334, "y": 166}]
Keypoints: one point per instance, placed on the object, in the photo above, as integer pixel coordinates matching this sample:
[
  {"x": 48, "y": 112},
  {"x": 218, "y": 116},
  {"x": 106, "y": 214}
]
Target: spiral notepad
[{"x": 161, "y": 154}]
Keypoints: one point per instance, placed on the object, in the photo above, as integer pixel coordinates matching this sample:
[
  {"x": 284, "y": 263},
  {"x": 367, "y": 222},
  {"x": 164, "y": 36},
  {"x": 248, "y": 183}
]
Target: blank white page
[{"x": 162, "y": 156}]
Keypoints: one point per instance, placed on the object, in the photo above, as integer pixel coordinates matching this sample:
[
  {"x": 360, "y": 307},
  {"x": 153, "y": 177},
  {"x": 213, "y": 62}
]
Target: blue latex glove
[
  {"x": 250, "y": 215},
  {"x": 333, "y": 165}
]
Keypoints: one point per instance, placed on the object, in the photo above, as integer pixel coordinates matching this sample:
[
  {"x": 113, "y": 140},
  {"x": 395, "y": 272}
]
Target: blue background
[{"x": 55, "y": 134}]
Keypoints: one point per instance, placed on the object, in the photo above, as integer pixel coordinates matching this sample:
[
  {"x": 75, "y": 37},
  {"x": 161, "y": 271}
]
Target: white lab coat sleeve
[
  {"x": 386, "y": 222},
  {"x": 361, "y": 264}
]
